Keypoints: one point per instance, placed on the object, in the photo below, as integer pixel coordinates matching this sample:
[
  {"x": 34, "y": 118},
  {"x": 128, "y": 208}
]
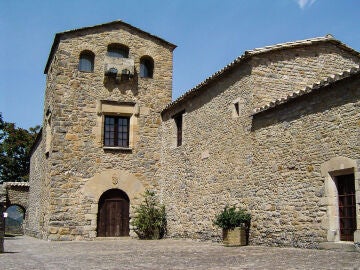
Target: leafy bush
[
  {"x": 230, "y": 218},
  {"x": 150, "y": 218}
]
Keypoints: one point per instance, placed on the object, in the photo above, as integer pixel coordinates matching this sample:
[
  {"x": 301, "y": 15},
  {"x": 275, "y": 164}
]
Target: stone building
[
  {"x": 106, "y": 86},
  {"x": 276, "y": 131}
]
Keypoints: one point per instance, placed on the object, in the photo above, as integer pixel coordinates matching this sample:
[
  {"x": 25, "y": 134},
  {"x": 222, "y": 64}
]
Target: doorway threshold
[{"x": 113, "y": 238}]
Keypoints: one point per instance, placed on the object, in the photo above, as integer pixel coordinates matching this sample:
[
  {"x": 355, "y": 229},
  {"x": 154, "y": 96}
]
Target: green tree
[
  {"x": 15, "y": 146},
  {"x": 150, "y": 218}
]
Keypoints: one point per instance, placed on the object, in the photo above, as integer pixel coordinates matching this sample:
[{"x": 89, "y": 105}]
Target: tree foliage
[
  {"x": 15, "y": 146},
  {"x": 231, "y": 217},
  {"x": 150, "y": 218}
]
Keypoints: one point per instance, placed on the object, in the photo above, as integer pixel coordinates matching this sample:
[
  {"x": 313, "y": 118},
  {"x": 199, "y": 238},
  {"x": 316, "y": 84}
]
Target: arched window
[
  {"x": 118, "y": 50},
  {"x": 146, "y": 67},
  {"x": 86, "y": 61}
]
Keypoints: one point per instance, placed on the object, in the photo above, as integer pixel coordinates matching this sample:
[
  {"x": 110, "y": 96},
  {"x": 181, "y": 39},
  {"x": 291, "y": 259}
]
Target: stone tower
[{"x": 99, "y": 147}]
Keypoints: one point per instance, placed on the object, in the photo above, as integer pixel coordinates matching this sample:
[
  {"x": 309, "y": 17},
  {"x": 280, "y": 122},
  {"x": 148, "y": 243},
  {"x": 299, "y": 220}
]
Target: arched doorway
[
  {"x": 113, "y": 214},
  {"x": 14, "y": 219}
]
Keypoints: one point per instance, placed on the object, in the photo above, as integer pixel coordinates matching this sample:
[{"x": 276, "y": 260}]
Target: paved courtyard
[{"x": 30, "y": 253}]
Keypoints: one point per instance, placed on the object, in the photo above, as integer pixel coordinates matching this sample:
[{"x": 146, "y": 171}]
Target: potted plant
[{"x": 235, "y": 224}]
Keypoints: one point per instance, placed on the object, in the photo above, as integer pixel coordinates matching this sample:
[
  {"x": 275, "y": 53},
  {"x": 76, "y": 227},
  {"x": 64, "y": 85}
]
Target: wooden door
[
  {"x": 347, "y": 207},
  {"x": 113, "y": 215}
]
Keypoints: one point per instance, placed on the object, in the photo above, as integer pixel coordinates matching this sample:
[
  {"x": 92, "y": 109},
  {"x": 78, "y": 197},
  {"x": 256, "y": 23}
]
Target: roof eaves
[
  {"x": 308, "y": 89},
  {"x": 16, "y": 184},
  {"x": 58, "y": 35}
]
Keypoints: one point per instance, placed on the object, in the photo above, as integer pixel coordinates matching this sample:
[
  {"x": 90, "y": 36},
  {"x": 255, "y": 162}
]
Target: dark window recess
[
  {"x": 347, "y": 206},
  {"x": 116, "y": 131},
  {"x": 146, "y": 67},
  {"x": 179, "y": 128},
  {"x": 118, "y": 50},
  {"x": 237, "y": 111},
  {"x": 86, "y": 61}
]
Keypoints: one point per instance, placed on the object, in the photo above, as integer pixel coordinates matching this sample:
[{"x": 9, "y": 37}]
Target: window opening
[
  {"x": 118, "y": 50},
  {"x": 86, "y": 61},
  {"x": 146, "y": 67},
  {"x": 116, "y": 131},
  {"x": 178, "y": 118},
  {"x": 237, "y": 111}
]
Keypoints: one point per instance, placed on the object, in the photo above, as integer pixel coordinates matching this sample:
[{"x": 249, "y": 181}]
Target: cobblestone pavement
[{"x": 125, "y": 253}]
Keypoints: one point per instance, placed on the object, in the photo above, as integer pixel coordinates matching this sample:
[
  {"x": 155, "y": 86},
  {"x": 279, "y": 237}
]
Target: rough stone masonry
[{"x": 276, "y": 132}]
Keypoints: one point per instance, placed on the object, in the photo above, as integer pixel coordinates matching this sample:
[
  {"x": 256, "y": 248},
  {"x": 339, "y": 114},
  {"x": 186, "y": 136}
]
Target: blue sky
[{"x": 209, "y": 34}]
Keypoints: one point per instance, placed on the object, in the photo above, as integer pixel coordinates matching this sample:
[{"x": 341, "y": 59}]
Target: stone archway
[
  {"x": 106, "y": 180},
  {"x": 333, "y": 171},
  {"x": 15, "y": 219}
]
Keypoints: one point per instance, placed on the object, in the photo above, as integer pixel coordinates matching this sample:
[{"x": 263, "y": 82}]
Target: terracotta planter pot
[{"x": 234, "y": 237}]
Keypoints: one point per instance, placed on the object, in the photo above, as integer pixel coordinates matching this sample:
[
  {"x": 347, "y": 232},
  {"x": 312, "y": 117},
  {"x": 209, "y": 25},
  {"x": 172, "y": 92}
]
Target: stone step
[
  {"x": 340, "y": 246},
  {"x": 113, "y": 238}
]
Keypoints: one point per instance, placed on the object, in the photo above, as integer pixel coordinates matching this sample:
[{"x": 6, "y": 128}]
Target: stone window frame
[
  {"x": 118, "y": 108},
  {"x": 236, "y": 107},
  {"x": 330, "y": 170}
]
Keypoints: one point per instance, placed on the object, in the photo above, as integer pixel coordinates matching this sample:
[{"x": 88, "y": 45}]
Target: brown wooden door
[
  {"x": 347, "y": 208},
  {"x": 113, "y": 215}
]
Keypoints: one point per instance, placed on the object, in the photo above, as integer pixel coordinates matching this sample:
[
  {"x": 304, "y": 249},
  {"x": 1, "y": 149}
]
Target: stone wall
[
  {"x": 227, "y": 159},
  {"x": 78, "y": 169},
  {"x": 38, "y": 196},
  {"x": 280, "y": 73},
  {"x": 290, "y": 144},
  {"x": 18, "y": 194},
  {"x": 203, "y": 175}
]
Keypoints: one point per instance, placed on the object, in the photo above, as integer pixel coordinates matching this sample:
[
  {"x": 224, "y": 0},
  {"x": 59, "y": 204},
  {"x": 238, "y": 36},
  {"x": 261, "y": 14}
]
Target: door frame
[{"x": 330, "y": 170}]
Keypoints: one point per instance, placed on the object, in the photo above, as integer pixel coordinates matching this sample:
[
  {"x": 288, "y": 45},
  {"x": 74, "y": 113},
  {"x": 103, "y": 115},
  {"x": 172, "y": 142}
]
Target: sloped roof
[
  {"x": 257, "y": 51},
  {"x": 117, "y": 22},
  {"x": 309, "y": 89}
]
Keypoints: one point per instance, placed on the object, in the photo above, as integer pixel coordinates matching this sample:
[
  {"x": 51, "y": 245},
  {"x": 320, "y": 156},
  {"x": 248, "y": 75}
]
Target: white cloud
[{"x": 305, "y": 3}]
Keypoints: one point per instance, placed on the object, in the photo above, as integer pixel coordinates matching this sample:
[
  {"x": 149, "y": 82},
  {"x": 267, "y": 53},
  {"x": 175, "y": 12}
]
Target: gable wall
[{"x": 280, "y": 73}]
